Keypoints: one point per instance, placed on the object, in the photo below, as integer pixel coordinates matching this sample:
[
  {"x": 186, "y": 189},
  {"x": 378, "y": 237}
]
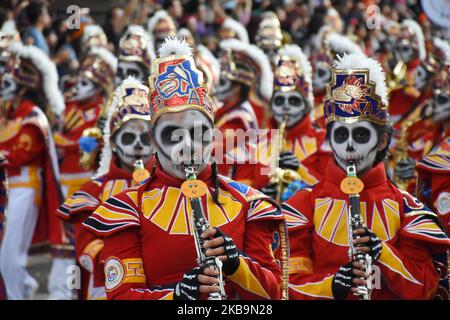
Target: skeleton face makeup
[
  {"x": 8, "y": 87},
  {"x": 226, "y": 89},
  {"x": 321, "y": 77},
  {"x": 127, "y": 68},
  {"x": 84, "y": 89},
  {"x": 354, "y": 142},
  {"x": 441, "y": 106},
  {"x": 182, "y": 139},
  {"x": 421, "y": 77},
  {"x": 132, "y": 142},
  {"x": 406, "y": 51},
  {"x": 291, "y": 106}
]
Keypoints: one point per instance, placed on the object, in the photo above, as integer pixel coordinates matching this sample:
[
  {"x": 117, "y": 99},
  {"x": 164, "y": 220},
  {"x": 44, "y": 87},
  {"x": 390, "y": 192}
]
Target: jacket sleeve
[
  {"x": 117, "y": 221},
  {"x": 25, "y": 147},
  {"x": 259, "y": 276},
  {"x": 304, "y": 282},
  {"x": 406, "y": 264}
]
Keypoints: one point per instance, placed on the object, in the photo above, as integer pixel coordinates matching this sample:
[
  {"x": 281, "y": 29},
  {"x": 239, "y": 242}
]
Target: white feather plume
[
  {"x": 257, "y": 55},
  {"x": 418, "y": 33},
  {"x": 151, "y": 23},
  {"x": 106, "y": 155},
  {"x": 238, "y": 28},
  {"x": 90, "y": 30},
  {"x": 443, "y": 46},
  {"x": 106, "y": 55},
  {"x": 174, "y": 46},
  {"x": 376, "y": 73},
  {"x": 215, "y": 64},
  {"x": 293, "y": 51},
  {"x": 342, "y": 44},
  {"x": 47, "y": 68},
  {"x": 137, "y": 29}
]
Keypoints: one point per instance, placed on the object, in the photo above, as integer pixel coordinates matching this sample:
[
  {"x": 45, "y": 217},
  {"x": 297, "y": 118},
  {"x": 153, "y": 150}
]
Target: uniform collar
[
  {"x": 374, "y": 177},
  {"x": 169, "y": 180}
]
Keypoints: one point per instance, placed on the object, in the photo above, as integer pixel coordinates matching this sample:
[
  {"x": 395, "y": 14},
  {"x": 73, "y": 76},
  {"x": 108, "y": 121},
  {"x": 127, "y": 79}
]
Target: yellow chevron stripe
[
  {"x": 391, "y": 261},
  {"x": 244, "y": 278},
  {"x": 321, "y": 289},
  {"x": 113, "y": 215}
]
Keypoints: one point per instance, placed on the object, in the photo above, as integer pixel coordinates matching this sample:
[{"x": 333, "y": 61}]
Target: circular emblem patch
[
  {"x": 443, "y": 203},
  {"x": 114, "y": 273}
]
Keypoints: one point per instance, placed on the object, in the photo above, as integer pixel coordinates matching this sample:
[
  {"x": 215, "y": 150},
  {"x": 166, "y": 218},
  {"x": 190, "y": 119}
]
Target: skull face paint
[
  {"x": 182, "y": 139},
  {"x": 321, "y": 76},
  {"x": 406, "y": 51},
  {"x": 354, "y": 142},
  {"x": 441, "y": 106},
  {"x": 226, "y": 89},
  {"x": 127, "y": 68},
  {"x": 291, "y": 106},
  {"x": 84, "y": 89},
  {"x": 8, "y": 87},
  {"x": 132, "y": 142}
]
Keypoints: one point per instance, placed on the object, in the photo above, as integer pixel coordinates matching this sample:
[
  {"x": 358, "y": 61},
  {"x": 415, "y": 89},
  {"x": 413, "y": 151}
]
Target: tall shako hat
[
  {"x": 135, "y": 46},
  {"x": 357, "y": 91},
  {"x": 100, "y": 66},
  {"x": 247, "y": 64},
  {"x": 411, "y": 32},
  {"x": 130, "y": 101},
  {"x": 176, "y": 84},
  {"x": 93, "y": 36},
  {"x": 232, "y": 29},
  {"x": 34, "y": 69},
  {"x": 293, "y": 72}
]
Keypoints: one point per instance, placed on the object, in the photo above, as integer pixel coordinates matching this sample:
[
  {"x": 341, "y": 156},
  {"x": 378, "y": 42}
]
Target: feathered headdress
[
  {"x": 130, "y": 101},
  {"x": 294, "y": 72},
  {"x": 176, "y": 84},
  {"x": 416, "y": 31},
  {"x": 357, "y": 91},
  {"x": 40, "y": 73},
  {"x": 234, "y": 29},
  {"x": 246, "y": 63}
]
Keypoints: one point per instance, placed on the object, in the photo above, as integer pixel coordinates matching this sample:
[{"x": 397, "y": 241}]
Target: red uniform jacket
[
  {"x": 433, "y": 187},
  {"x": 230, "y": 118},
  {"x": 304, "y": 140},
  {"x": 77, "y": 117},
  {"x": 149, "y": 245},
  {"x": 78, "y": 207},
  {"x": 318, "y": 232},
  {"x": 27, "y": 144}
]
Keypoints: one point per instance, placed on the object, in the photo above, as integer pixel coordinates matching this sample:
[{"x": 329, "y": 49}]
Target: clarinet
[
  {"x": 194, "y": 189},
  {"x": 352, "y": 186}
]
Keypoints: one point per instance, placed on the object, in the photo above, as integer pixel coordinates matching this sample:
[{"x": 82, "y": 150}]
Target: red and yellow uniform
[
  {"x": 28, "y": 148},
  {"x": 149, "y": 245},
  {"x": 304, "y": 140},
  {"x": 76, "y": 209},
  {"x": 434, "y": 180},
  {"x": 318, "y": 232},
  {"x": 77, "y": 117}
]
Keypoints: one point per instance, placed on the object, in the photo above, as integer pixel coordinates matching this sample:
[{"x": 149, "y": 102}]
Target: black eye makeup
[
  {"x": 361, "y": 135},
  {"x": 128, "y": 138},
  {"x": 340, "y": 135}
]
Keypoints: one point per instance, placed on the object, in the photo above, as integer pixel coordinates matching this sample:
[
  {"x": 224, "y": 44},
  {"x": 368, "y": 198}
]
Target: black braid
[{"x": 215, "y": 195}]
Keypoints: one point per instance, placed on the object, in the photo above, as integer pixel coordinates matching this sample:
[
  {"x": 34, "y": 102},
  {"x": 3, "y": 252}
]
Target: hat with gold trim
[
  {"x": 135, "y": 46},
  {"x": 176, "y": 84},
  {"x": 293, "y": 72},
  {"x": 357, "y": 91},
  {"x": 130, "y": 101}
]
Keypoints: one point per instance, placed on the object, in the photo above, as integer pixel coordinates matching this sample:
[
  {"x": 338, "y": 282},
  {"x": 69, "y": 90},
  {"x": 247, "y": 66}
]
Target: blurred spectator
[{"x": 39, "y": 19}]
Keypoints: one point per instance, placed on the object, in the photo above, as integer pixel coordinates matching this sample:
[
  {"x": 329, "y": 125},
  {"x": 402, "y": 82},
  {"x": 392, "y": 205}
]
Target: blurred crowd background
[{"x": 43, "y": 23}]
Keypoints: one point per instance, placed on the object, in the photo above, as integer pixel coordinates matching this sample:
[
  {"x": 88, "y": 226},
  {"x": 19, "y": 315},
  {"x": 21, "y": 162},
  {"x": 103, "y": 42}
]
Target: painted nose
[
  {"x": 350, "y": 147},
  {"x": 138, "y": 146}
]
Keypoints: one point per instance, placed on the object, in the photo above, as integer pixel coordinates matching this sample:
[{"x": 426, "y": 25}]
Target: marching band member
[
  {"x": 136, "y": 53},
  {"x": 28, "y": 86},
  {"x": 149, "y": 247},
  {"x": 125, "y": 141},
  {"x": 245, "y": 73},
  {"x": 302, "y": 148},
  {"x": 398, "y": 234},
  {"x": 160, "y": 26}
]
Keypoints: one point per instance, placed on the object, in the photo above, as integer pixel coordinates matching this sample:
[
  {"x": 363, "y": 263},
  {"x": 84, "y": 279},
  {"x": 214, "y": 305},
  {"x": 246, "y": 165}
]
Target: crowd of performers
[{"x": 94, "y": 168}]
